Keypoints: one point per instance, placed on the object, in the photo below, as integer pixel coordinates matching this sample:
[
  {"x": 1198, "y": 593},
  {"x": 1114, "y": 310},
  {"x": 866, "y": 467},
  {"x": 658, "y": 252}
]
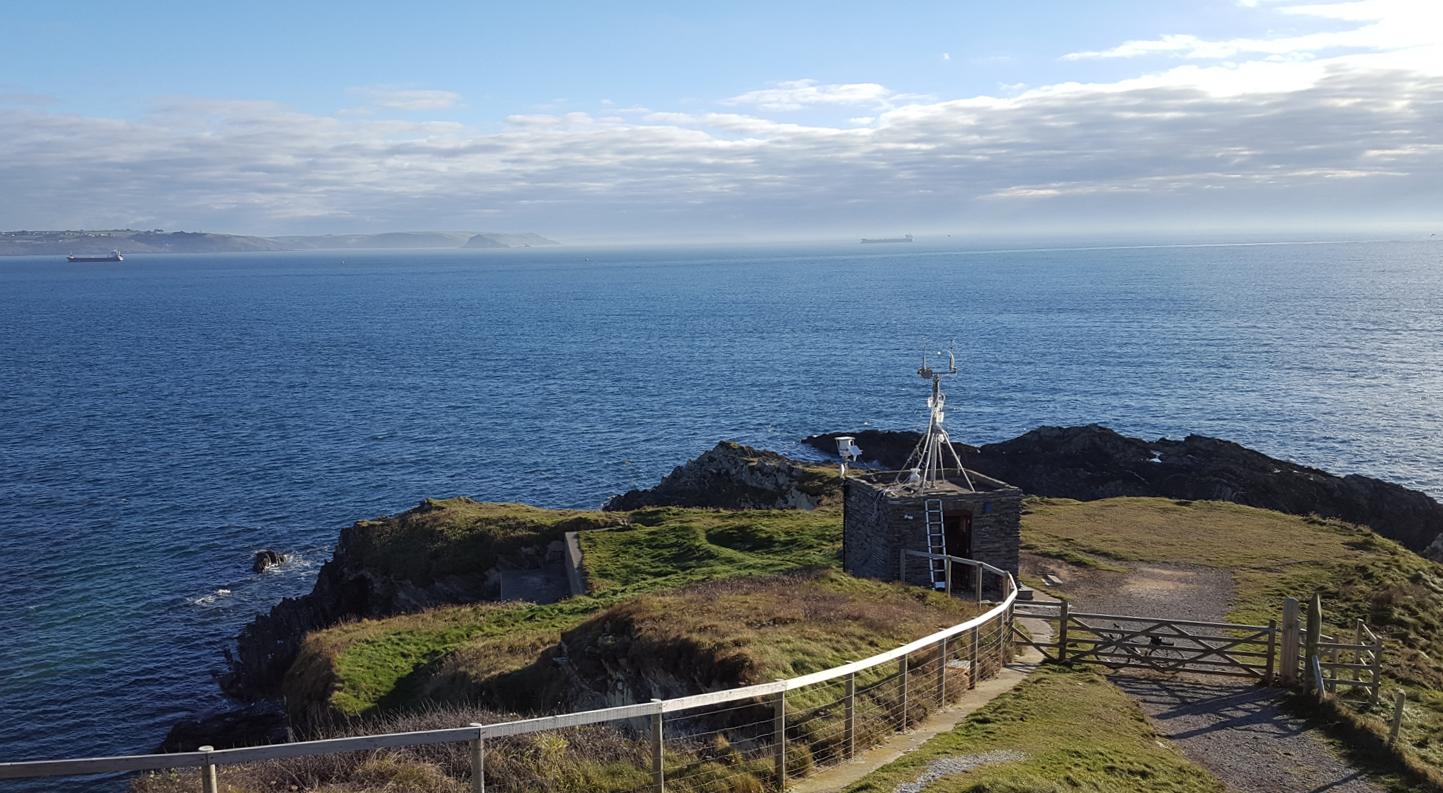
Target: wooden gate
[{"x": 1119, "y": 641}]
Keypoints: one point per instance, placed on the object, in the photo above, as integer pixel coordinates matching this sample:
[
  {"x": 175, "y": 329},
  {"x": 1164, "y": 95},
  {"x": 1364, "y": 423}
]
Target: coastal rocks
[
  {"x": 255, "y": 725},
  {"x": 732, "y": 476},
  {"x": 266, "y": 558},
  {"x": 1094, "y": 462}
]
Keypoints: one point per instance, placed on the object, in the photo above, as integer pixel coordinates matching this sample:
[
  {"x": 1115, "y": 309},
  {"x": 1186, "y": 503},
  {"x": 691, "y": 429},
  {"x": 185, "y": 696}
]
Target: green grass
[
  {"x": 373, "y": 666},
  {"x": 1273, "y": 556},
  {"x": 1077, "y": 733},
  {"x": 670, "y": 547}
]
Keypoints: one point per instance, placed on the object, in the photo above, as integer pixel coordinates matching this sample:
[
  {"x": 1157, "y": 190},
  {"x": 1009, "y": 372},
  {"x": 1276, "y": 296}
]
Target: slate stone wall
[{"x": 876, "y": 528}]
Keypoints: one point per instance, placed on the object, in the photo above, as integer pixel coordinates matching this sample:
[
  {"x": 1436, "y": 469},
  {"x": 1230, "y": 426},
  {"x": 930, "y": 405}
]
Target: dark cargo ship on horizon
[{"x": 113, "y": 257}]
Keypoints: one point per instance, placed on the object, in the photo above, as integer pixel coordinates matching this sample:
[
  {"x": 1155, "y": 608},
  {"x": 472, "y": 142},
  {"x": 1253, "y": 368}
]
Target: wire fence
[{"x": 745, "y": 740}]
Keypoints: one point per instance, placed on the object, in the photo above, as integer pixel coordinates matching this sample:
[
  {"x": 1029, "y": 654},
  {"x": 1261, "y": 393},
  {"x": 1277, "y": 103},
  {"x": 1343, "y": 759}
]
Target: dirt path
[{"x": 1237, "y": 731}]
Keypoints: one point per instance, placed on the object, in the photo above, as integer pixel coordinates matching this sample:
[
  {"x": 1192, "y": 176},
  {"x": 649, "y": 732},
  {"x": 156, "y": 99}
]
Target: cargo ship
[
  {"x": 113, "y": 257},
  {"x": 907, "y": 238}
]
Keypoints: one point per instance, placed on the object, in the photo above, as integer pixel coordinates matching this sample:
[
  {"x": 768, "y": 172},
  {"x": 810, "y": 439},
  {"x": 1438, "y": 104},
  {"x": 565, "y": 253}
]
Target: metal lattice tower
[{"x": 928, "y": 463}]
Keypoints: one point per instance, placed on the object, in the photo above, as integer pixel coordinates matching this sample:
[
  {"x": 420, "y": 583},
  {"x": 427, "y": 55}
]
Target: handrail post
[
  {"x": 849, "y": 738},
  {"x": 478, "y": 761},
  {"x": 902, "y": 672},
  {"x": 972, "y": 657},
  {"x": 658, "y": 769},
  {"x": 779, "y": 728},
  {"x": 1397, "y": 718},
  {"x": 942, "y": 673},
  {"x": 1272, "y": 652},
  {"x": 1315, "y": 630},
  {"x": 1289, "y": 649},
  {"x": 947, "y": 574},
  {"x": 1377, "y": 670},
  {"x": 977, "y": 574},
  {"x": 208, "y": 782},
  {"x": 1062, "y": 633}
]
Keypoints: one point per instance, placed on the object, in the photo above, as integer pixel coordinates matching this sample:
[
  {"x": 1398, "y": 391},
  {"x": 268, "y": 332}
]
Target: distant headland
[{"x": 81, "y": 242}]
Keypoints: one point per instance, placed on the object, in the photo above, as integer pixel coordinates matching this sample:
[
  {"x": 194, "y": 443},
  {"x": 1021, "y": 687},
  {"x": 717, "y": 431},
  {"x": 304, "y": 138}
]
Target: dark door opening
[{"x": 957, "y": 531}]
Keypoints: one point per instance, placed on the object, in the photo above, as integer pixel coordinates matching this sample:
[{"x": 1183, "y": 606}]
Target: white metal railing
[{"x": 477, "y": 734}]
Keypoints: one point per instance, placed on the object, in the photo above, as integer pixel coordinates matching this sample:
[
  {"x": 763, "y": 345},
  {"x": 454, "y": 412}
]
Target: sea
[{"x": 163, "y": 419}]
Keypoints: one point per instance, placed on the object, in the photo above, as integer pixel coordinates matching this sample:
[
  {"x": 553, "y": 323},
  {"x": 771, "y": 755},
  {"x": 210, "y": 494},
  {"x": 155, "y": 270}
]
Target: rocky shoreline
[
  {"x": 1083, "y": 463},
  {"x": 1094, "y": 462}
]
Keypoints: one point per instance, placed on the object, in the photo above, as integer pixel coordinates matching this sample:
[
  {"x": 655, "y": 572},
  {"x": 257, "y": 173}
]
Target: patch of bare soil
[{"x": 1235, "y": 730}]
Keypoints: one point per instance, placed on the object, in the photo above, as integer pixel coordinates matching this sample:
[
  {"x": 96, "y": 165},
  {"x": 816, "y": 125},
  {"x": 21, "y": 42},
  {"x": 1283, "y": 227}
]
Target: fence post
[
  {"x": 977, "y": 574},
  {"x": 1357, "y": 652},
  {"x": 1272, "y": 652},
  {"x": 1397, "y": 718},
  {"x": 1315, "y": 629},
  {"x": 1001, "y": 641},
  {"x": 1062, "y": 633},
  {"x": 478, "y": 761},
  {"x": 849, "y": 738},
  {"x": 1289, "y": 649},
  {"x": 902, "y": 682},
  {"x": 942, "y": 673},
  {"x": 1377, "y": 670},
  {"x": 779, "y": 727},
  {"x": 947, "y": 574},
  {"x": 972, "y": 658},
  {"x": 658, "y": 767},
  {"x": 207, "y": 771}
]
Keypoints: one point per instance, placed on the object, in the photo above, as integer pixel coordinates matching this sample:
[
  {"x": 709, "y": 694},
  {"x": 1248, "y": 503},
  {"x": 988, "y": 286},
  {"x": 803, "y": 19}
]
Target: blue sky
[{"x": 739, "y": 120}]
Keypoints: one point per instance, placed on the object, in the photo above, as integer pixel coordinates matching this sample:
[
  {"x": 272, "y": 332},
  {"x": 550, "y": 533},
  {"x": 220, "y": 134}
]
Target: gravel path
[
  {"x": 1235, "y": 730},
  {"x": 1239, "y": 733}
]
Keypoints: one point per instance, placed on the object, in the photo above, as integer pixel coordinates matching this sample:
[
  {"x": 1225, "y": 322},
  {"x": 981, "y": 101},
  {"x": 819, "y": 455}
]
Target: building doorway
[{"x": 957, "y": 532}]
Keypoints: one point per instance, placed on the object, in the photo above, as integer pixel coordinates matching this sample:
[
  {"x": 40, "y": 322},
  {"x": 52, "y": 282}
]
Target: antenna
[{"x": 927, "y": 465}]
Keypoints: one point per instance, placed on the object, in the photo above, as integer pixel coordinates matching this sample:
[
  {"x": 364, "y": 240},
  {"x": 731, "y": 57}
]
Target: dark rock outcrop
[
  {"x": 266, "y": 558},
  {"x": 1094, "y": 462},
  {"x": 256, "y": 725},
  {"x": 344, "y": 589},
  {"x": 732, "y": 476}
]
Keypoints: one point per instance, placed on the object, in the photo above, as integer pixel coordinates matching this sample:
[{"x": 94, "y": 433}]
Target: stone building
[
  {"x": 932, "y": 507},
  {"x": 980, "y": 519}
]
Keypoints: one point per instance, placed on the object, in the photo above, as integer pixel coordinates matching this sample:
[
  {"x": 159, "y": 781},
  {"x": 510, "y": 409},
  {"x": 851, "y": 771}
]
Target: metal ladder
[{"x": 936, "y": 542}]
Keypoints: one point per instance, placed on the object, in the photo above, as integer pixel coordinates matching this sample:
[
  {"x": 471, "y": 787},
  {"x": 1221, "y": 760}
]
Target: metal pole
[
  {"x": 478, "y": 761},
  {"x": 779, "y": 727},
  {"x": 947, "y": 574},
  {"x": 977, "y": 574},
  {"x": 207, "y": 771},
  {"x": 850, "y": 737},
  {"x": 658, "y": 772}
]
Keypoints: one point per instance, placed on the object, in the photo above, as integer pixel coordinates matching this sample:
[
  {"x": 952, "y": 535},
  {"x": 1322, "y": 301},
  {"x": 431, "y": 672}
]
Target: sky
[{"x": 636, "y": 121}]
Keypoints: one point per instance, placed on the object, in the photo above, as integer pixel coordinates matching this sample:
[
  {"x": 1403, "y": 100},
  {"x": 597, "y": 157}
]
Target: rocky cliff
[
  {"x": 440, "y": 553},
  {"x": 732, "y": 476},
  {"x": 1093, "y": 462}
]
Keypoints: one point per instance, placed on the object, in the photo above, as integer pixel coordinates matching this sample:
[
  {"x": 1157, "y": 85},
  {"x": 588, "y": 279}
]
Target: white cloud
[
  {"x": 391, "y": 97},
  {"x": 1336, "y": 137},
  {"x": 799, "y": 94}
]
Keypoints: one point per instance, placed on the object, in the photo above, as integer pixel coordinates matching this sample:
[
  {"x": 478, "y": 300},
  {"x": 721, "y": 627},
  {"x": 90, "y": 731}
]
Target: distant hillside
[
  {"x": 420, "y": 239},
  {"x": 61, "y": 243}
]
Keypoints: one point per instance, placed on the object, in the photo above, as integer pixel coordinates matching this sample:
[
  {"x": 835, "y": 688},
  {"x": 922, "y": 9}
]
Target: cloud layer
[{"x": 1355, "y": 137}]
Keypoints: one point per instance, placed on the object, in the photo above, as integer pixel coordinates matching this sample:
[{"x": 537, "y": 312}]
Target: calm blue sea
[{"x": 163, "y": 419}]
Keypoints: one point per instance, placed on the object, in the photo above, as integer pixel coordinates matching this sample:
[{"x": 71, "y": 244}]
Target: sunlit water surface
[{"x": 163, "y": 419}]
